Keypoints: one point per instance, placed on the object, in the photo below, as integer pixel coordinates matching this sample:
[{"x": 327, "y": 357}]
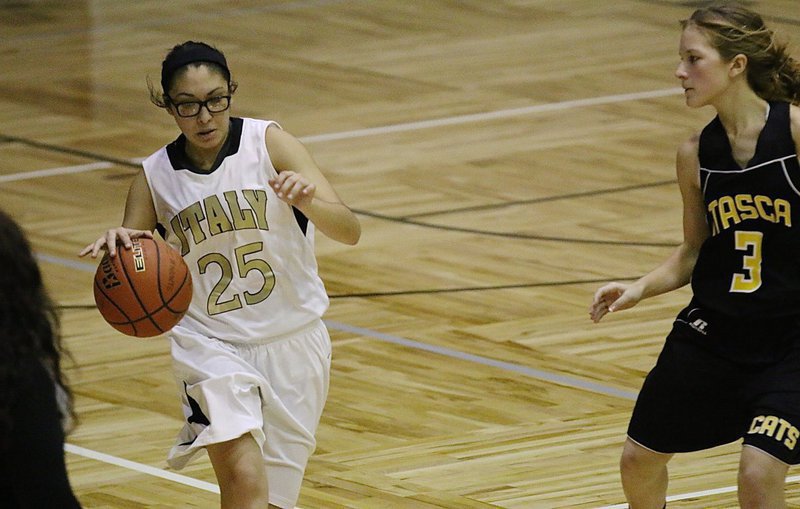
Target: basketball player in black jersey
[
  {"x": 36, "y": 407},
  {"x": 730, "y": 367}
]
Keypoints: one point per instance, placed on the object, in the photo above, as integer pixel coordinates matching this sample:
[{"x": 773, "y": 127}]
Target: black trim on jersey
[
  {"x": 302, "y": 220},
  {"x": 745, "y": 201},
  {"x": 715, "y": 151},
  {"x": 180, "y": 161}
]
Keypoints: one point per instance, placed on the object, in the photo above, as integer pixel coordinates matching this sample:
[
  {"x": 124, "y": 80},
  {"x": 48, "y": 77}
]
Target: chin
[{"x": 694, "y": 103}]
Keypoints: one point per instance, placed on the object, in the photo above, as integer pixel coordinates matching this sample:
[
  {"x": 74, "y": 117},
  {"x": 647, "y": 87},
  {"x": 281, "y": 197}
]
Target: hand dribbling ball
[{"x": 143, "y": 291}]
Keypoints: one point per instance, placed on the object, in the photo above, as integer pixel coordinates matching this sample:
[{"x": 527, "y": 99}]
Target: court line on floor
[
  {"x": 388, "y": 129},
  {"x": 524, "y": 370},
  {"x": 141, "y": 468},
  {"x": 556, "y": 378},
  {"x": 698, "y": 494},
  {"x": 546, "y": 376},
  {"x": 494, "y": 115}
]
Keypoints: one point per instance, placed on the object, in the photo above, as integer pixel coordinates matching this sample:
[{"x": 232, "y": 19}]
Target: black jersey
[{"x": 750, "y": 264}]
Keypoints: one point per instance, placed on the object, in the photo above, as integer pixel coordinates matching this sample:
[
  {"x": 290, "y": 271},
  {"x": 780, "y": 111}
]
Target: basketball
[{"x": 143, "y": 291}]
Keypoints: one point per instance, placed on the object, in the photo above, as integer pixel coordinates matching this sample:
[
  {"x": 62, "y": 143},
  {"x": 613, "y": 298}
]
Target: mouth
[{"x": 206, "y": 134}]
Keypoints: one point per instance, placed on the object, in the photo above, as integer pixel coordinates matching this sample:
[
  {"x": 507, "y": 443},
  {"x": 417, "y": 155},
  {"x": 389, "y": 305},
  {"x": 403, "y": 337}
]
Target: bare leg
[
  {"x": 761, "y": 480},
  {"x": 240, "y": 472},
  {"x": 644, "y": 476}
]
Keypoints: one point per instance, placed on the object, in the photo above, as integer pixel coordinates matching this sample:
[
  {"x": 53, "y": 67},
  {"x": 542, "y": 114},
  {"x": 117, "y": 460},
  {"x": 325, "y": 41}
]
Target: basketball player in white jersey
[{"x": 240, "y": 199}]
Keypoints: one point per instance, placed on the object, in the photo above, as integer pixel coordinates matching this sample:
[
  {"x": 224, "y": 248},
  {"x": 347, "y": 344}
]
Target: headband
[{"x": 188, "y": 55}]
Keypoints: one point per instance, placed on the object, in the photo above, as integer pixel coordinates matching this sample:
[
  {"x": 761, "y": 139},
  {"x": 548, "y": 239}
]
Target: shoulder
[
  {"x": 688, "y": 161},
  {"x": 794, "y": 122},
  {"x": 689, "y": 149},
  {"x": 280, "y": 141}
]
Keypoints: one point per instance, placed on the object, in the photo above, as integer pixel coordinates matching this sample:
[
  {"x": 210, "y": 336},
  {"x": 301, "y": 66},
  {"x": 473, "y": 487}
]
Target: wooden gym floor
[{"x": 505, "y": 158}]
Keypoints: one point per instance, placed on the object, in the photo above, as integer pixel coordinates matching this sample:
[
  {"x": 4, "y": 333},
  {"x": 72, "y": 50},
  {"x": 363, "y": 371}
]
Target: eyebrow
[{"x": 212, "y": 93}]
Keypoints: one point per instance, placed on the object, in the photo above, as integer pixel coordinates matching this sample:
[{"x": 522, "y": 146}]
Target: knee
[
  {"x": 638, "y": 462},
  {"x": 238, "y": 465},
  {"x": 247, "y": 476},
  {"x": 632, "y": 461},
  {"x": 758, "y": 485}
]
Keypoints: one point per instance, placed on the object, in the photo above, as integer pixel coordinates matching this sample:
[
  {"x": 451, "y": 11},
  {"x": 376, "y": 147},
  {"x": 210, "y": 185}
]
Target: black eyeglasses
[{"x": 213, "y": 105}]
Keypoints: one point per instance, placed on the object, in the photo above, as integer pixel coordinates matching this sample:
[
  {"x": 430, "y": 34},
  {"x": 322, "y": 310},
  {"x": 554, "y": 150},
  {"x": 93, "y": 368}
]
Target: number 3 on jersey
[
  {"x": 750, "y": 281},
  {"x": 244, "y": 266}
]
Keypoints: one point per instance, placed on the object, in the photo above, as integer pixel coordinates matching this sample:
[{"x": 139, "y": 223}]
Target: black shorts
[{"x": 695, "y": 399}]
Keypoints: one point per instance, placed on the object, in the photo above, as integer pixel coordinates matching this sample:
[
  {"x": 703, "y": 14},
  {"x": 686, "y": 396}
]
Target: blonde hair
[{"x": 732, "y": 29}]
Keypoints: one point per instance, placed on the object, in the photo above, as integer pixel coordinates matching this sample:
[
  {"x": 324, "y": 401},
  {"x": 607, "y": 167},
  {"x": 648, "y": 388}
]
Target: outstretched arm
[
  {"x": 676, "y": 270},
  {"x": 139, "y": 220}
]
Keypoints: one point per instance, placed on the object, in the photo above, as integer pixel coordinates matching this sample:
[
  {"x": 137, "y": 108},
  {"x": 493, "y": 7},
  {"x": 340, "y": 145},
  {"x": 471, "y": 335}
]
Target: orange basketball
[{"x": 143, "y": 291}]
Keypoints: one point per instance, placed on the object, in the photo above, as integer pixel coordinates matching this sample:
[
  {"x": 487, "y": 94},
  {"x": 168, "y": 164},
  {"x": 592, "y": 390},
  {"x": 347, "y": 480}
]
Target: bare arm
[
  {"x": 300, "y": 183},
  {"x": 794, "y": 120},
  {"x": 676, "y": 270},
  {"x": 139, "y": 220}
]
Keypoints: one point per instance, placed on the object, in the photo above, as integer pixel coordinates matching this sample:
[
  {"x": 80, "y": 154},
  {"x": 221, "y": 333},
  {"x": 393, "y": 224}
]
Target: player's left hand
[{"x": 293, "y": 188}]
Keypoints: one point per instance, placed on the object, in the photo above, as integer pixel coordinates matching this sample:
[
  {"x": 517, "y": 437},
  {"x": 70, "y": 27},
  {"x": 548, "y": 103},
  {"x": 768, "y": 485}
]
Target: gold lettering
[
  {"x": 762, "y": 202},
  {"x": 791, "y": 438},
  {"x": 727, "y": 212},
  {"x": 784, "y": 425},
  {"x": 257, "y": 198},
  {"x": 242, "y": 219},
  {"x": 712, "y": 209},
  {"x": 783, "y": 212},
  {"x": 216, "y": 217},
  {"x": 756, "y": 424},
  {"x": 744, "y": 202},
  {"x": 177, "y": 228},
  {"x": 770, "y": 422},
  {"x": 191, "y": 216}
]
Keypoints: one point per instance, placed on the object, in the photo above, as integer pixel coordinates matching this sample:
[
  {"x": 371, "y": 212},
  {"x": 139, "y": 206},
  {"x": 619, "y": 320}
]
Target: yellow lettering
[
  {"x": 744, "y": 202},
  {"x": 791, "y": 438},
  {"x": 177, "y": 228},
  {"x": 756, "y": 424},
  {"x": 216, "y": 217},
  {"x": 761, "y": 203},
  {"x": 783, "y": 212},
  {"x": 242, "y": 219},
  {"x": 191, "y": 217},
  {"x": 768, "y": 428},
  {"x": 784, "y": 425},
  {"x": 727, "y": 212},
  {"x": 712, "y": 209},
  {"x": 257, "y": 198}
]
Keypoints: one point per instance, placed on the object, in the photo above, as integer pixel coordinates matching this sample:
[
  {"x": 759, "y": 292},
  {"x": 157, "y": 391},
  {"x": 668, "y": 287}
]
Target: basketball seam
[
  {"x": 164, "y": 300},
  {"x": 110, "y": 300},
  {"x": 148, "y": 314},
  {"x": 163, "y": 306},
  {"x": 177, "y": 292}
]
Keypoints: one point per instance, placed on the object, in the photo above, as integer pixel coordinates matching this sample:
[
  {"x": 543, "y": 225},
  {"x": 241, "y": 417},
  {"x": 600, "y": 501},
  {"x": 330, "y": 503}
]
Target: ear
[{"x": 738, "y": 65}]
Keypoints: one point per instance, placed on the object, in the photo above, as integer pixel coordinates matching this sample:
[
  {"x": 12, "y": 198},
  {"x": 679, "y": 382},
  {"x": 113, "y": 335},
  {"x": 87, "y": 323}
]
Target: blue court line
[{"x": 556, "y": 378}]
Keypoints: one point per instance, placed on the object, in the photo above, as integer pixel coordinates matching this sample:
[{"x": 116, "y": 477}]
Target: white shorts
[{"x": 274, "y": 390}]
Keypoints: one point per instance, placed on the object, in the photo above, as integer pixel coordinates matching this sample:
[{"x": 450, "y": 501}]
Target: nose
[
  {"x": 680, "y": 72},
  {"x": 204, "y": 115}
]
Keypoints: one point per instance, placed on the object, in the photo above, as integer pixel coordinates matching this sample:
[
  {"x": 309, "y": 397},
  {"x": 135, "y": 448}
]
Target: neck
[{"x": 741, "y": 109}]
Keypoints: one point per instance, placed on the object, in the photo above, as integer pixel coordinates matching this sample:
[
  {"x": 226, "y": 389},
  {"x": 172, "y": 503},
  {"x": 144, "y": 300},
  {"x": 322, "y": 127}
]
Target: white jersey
[{"x": 250, "y": 254}]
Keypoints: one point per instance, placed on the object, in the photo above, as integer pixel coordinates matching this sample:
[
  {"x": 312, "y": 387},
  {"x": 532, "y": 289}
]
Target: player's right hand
[
  {"x": 614, "y": 297},
  {"x": 110, "y": 239}
]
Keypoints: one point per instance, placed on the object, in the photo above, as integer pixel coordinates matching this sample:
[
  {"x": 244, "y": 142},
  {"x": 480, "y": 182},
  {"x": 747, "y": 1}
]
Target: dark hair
[
  {"x": 732, "y": 30},
  {"x": 29, "y": 325},
  {"x": 179, "y": 58}
]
